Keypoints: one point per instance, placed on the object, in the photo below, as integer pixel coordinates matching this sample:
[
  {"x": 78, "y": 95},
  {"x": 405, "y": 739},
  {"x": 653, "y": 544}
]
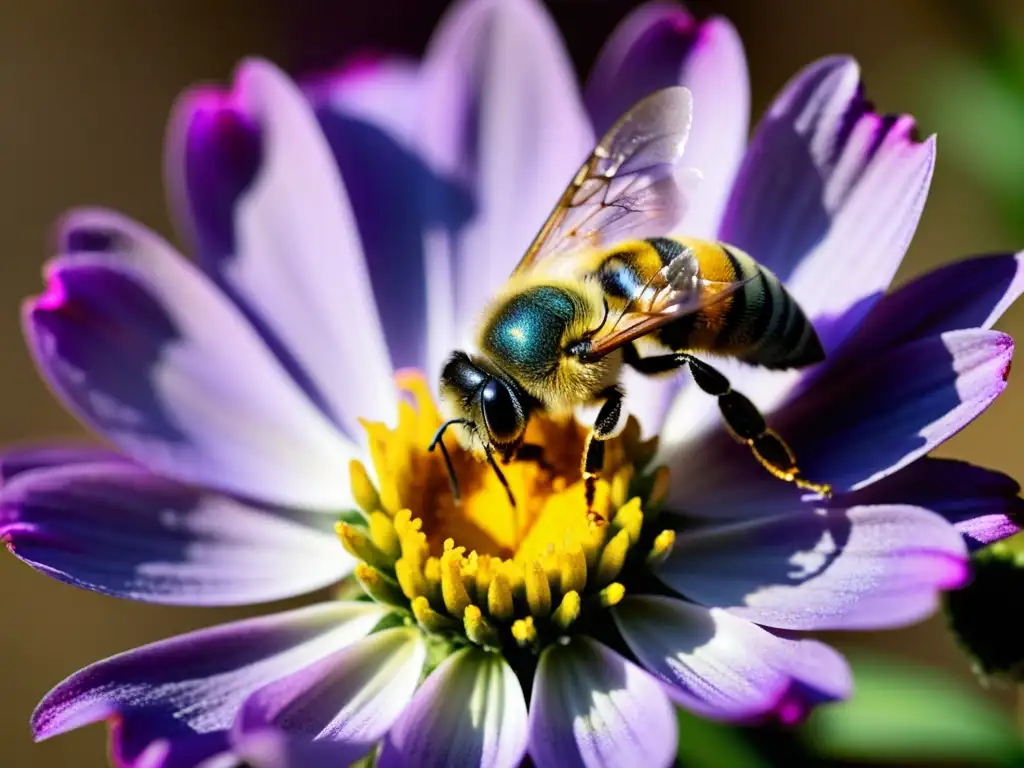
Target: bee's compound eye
[{"x": 502, "y": 412}]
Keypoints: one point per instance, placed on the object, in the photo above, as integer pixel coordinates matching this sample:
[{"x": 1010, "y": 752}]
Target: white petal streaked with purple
[
  {"x": 120, "y": 530},
  {"x": 503, "y": 115},
  {"x": 594, "y": 709},
  {"x": 720, "y": 665},
  {"x": 147, "y": 351},
  {"x": 469, "y": 712},
  {"x": 869, "y": 567},
  {"x": 295, "y": 257},
  {"x": 195, "y": 683},
  {"x": 349, "y": 699}
]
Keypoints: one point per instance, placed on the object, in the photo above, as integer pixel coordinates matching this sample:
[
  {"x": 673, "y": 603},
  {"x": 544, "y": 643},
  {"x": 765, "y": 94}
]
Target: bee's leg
[
  {"x": 741, "y": 416},
  {"x": 609, "y": 422}
]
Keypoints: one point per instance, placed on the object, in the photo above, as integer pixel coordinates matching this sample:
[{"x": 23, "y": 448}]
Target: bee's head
[{"x": 494, "y": 409}]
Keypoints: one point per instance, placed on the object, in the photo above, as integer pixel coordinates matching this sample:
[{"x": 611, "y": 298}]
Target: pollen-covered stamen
[{"x": 480, "y": 570}]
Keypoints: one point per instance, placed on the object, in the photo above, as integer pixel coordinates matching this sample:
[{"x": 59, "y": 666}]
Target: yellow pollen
[
  {"x": 483, "y": 570},
  {"x": 662, "y": 545}
]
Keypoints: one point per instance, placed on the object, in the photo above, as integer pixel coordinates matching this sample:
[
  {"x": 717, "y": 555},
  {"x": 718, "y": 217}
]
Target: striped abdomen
[{"x": 760, "y": 323}]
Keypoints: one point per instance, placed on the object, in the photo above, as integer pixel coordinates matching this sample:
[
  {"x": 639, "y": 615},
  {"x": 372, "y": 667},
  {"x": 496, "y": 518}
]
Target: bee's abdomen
[{"x": 760, "y": 323}]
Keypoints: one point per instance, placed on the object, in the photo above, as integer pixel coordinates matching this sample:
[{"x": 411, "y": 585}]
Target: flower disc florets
[{"x": 483, "y": 571}]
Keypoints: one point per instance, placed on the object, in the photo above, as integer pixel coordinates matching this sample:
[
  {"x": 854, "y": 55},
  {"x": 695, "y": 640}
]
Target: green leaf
[
  {"x": 907, "y": 713},
  {"x": 706, "y": 744}
]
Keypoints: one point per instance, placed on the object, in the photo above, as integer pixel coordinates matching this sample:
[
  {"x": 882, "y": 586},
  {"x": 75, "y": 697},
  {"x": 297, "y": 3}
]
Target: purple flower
[{"x": 357, "y": 228}]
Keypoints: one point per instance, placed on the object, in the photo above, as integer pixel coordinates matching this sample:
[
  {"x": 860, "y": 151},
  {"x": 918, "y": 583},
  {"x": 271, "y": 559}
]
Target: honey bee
[{"x": 601, "y": 283}]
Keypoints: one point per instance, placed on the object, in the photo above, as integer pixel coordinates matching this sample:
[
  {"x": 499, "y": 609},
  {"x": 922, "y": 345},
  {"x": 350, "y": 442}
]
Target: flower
[{"x": 251, "y": 404}]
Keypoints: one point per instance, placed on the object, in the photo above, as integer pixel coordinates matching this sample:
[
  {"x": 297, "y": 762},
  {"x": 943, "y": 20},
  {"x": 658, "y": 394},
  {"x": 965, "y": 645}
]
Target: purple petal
[
  {"x": 195, "y": 683},
  {"x": 184, "y": 751},
  {"x": 370, "y": 113},
  {"x": 866, "y": 567},
  {"x": 469, "y": 712},
  {"x": 501, "y": 115},
  {"x": 273, "y": 225},
  {"x": 720, "y": 665},
  {"x": 853, "y": 426},
  {"x": 122, "y": 531},
  {"x": 590, "y": 707},
  {"x": 145, "y": 350},
  {"x": 982, "y": 504},
  {"x": 29, "y": 458},
  {"x": 349, "y": 699},
  {"x": 271, "y": 748},
  {"x": 970, "y": 293},
  {"x": 659, "y": 45},
  {"x": 829, "y": 195}
]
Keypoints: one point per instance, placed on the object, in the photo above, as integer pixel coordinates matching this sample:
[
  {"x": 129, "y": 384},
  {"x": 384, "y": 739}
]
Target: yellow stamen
[
  {"x": 538, "y": 589},
  {"x": 612, "y": 594},
  {"x": 499, "y": 598},
  {"x": 429, "y": 619},
  {"x": 568, "y": 610},
  {"x": 358, "y": 544},
  {"x": 662, "y": 545},
  {"x": 483, "y": 570},
  {"x": 363, "y": 490},
  {"x": 524, "y": 631},
  {"x": 659, "y": 488},
  {"x": 479, "y": 630},
  {"x": 379, "y": 586},
  {"x": 612, "y": 558},
  {"x": 384, "y": 536}
]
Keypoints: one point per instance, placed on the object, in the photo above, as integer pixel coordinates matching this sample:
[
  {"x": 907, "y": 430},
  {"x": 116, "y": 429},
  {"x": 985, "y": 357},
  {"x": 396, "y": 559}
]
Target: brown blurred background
[{"x": 85, "y": 89}]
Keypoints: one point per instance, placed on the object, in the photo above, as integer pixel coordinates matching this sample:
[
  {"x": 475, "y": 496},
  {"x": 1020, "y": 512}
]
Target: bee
[{"x": 601, "y": 285}]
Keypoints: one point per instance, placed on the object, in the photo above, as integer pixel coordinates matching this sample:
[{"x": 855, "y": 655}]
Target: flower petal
[
  {"x": 659, "y": 45},
  {"x": 350, "y": 698},
  {"x": 970, "y": 293},
  {"x": 502, "y": 115},
  {"x": 145, "y": 350},
  {"x": 271, "y": 748},
  {"x": 828, "y": 197},
  {"x": 19, "y": 460},
  {"x": 185, "y": 751},
  {"x": 195, "y": 683},
  {"x": 853, "y": 426},
  {"x": 274, "y": 227},
  {"x": 370, "y": 114},
  {"x": 983, "y": 505},
  {"x": 119, "y": 530},
  {"x": 720, "y": 665},
  {"x": 591, "y": 707},
  {"x": 469, "y": 712},
  {"x": 866, "y": 567}
]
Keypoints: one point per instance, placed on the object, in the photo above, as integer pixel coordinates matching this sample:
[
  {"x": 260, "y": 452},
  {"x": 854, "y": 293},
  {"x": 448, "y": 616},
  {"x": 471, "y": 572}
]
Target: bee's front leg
[{"x": 611, "y": 418}]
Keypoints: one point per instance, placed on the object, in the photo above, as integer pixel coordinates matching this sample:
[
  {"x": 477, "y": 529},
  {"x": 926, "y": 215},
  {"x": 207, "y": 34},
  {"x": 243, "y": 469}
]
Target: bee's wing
[
  {"x": 628, "y": 187},
  {"x": 668, "y": 306}
]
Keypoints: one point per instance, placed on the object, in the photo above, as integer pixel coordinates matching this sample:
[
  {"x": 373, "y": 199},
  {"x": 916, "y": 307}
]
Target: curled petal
[
  {"x": 273, "y": 225},
  {"x": 195, "y": 683},
  {"x": 591, "y": 707},
  {"x": 144, "y": 349},
  {"x": 119, "y": 530},
  {"x": 349, "y": 699},
  {"x": 470, "y": 711},
  {"x": 720, "y": 665},
  {"x": 868, "y": 567},
  {"x": 17, "y": 461}
]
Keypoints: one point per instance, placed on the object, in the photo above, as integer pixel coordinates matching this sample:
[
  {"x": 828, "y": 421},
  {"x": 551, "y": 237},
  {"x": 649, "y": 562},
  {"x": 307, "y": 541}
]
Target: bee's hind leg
[
  {"x": 611, "y": 418},
  {"x": 741, "y": 416}
]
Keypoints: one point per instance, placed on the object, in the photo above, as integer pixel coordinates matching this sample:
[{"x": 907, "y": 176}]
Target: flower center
[{"x": 484, "y": 569}]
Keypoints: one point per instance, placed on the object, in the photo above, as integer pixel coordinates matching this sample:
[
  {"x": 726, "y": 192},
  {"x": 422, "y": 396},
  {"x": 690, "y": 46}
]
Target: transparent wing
[
  {"x": 629, "y": 187},
  {"x": 664, "y": 307}
]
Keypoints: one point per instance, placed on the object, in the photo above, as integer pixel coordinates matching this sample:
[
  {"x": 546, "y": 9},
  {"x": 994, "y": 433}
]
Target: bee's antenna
[
  {"x": 438, "y": 442},
  {"x": 500, "y": 475}
]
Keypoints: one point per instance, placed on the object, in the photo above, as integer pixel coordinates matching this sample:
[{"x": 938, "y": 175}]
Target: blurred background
[{"x": 86, "y": 89}]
